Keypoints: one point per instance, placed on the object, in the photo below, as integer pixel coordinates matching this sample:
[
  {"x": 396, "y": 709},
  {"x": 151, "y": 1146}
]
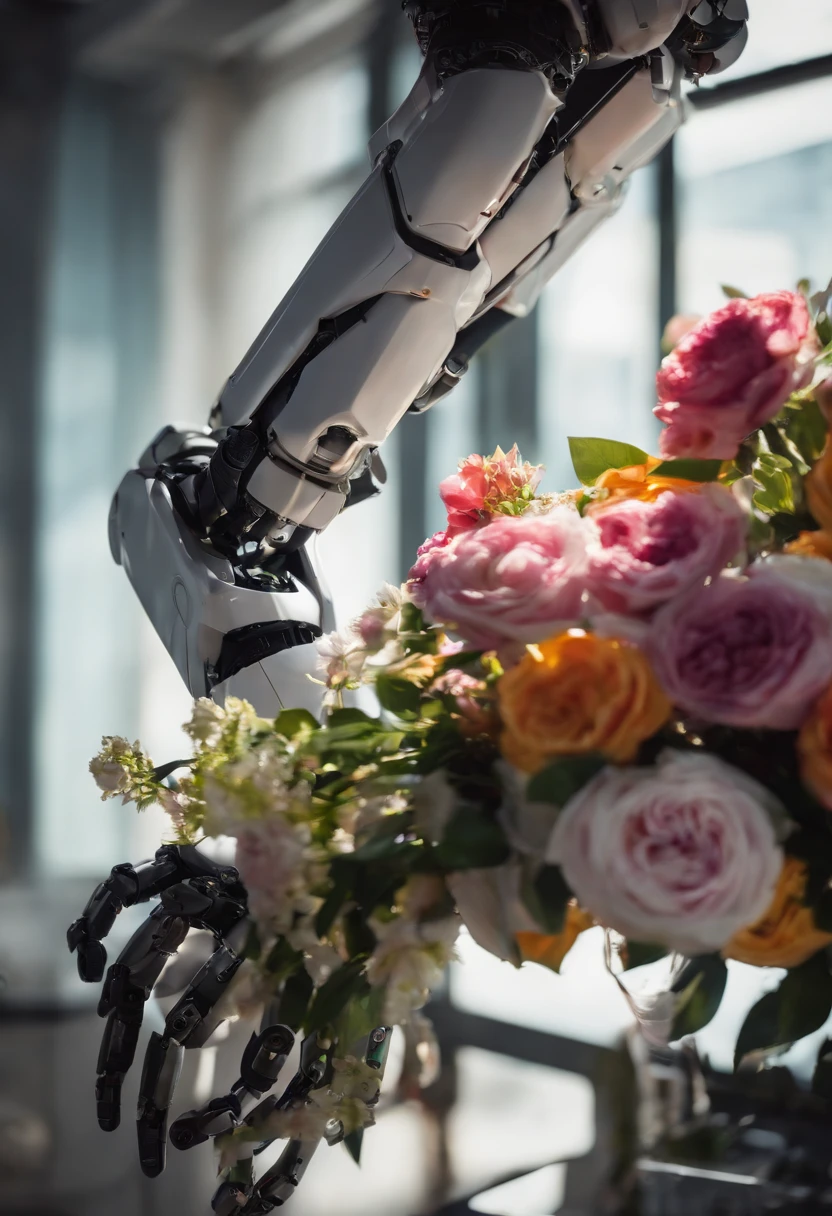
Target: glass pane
[
  {"x": 511, "y": 1115},
  {"x": 98, "y": 394},
  {"x": 781, "y": 33},
  {"x": 598, "y": 346},
  {"x": 298, "y": 136},
  {"x": 754, "y": 195},
  {"x": 583, "y": 1002}
]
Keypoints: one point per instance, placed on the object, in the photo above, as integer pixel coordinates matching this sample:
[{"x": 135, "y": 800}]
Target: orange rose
[
  {"x": 787, "y": 935},
  {"x": 579, "y": 693},
  {"x": 551, "y": 950},
  {"x": 814, "y": 748},
  {"x": 634, "y": 481},
  {"x": 819, "y": 489},
  {"x": 811, "y": 544}
]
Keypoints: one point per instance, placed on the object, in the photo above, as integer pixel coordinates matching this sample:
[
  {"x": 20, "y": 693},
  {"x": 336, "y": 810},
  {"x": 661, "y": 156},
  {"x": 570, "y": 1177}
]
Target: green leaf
[
  {"x": 353, "y": 1143},
  {"x": 592, "y": 457},
  {"x": 343, "y": 985},
  {"x": 733, "y": 293},
  {"x": 688, "y": 470},
  {"x": 165, "y": 770},
  {"x": 340, "y": 718},
  {"x": 822, "y": 1076},
  {"x": 472, "y": 841},
  {"x": 562, "y": 779},
  {"x": 700, "y": 989},
  {"x": 294, "y": 1000},
  {"x": 283, "y": 960},
  {"x": 359, "y": 938},
  {"x": 411, "y": 619},
  {"x": 399, "y": 696},
  {"x": 733, "y": 473},
  {"x": 358, "y": 1017},
  {"x": 806, "y": 428},
  {"x": 545, "y": 895},
  {"x": 293, "y": 722},
  {"x": 385, "y": 842},
  {"x": 335, "y": 900},
  {"x": 253, "y": 947},
  {"x": 800, "y": 1006},
  {"x": 775, "y": 492},
  {"x": 823, "y": 325},
  {"x": 641, "y": 954}
]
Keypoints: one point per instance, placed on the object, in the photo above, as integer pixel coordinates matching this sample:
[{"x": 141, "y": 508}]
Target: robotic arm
[{"x": 514, "y": 144}]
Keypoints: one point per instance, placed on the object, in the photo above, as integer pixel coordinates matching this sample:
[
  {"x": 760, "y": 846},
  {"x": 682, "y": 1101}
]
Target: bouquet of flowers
[{"x": 607, "y": 707}]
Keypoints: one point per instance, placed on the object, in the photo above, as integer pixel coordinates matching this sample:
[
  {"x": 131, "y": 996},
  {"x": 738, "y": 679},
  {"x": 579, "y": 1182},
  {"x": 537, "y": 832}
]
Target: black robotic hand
[{"x": 195, "y": 893}]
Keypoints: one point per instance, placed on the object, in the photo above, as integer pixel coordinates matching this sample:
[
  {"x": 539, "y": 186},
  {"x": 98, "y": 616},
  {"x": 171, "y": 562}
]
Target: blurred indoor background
[{"x": 166, "y": 168}]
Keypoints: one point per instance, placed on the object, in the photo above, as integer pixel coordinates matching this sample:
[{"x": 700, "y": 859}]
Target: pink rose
[
  {"x": 425, "y": 555},
  {"x": 464, "y": 496},
  {"x": 488, "y": 485},
  {"x": 678, "y": 327},
  {"x": 731, "y": 373},
  {"x": 514, "y": 581},
  {"x": 647, "y": 552},
  {"x": 749, "y": 652},
  {"x": 684, "y": 854}
]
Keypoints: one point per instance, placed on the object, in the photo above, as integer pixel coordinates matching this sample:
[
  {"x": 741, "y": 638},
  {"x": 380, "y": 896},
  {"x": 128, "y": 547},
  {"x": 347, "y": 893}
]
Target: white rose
[
  {"x": 684, "y": 854},
  {"x": 408, "y": 961},
  {"x": 491, "y": 908}
]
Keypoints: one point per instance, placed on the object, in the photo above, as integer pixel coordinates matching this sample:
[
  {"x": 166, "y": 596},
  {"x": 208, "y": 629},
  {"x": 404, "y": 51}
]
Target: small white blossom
[
  {"x": 175, "y": 804},
  {"x": 320, "y": 959},
  {"x": 380, "y": 620},
  {"x": 341, "y": 659},
  {"x": 123, "y": 768},
  {"x": 354, "y": 1079},
  {"x": 207, "y": 722},
  {"x": 408, "y": 961}
]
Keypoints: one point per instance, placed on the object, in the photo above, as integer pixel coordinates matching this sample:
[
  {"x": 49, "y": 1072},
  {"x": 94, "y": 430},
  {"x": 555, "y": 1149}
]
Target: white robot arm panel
[{"x": 515, "y": 142}]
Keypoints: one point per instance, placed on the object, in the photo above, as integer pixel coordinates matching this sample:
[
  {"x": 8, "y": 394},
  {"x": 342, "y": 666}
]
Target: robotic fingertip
[
  {"x": 229, "y": 1199},
  {"x": 91, "y": 955},
  {"x": 108, "y": 1102},
  {"x": 152, "y": 1149}
]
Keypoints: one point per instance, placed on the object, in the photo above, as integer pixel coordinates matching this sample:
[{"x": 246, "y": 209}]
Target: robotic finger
[
  {"x": 190, "y": 1023},
  {"x": 129, "y": 885},
  {"x": 278, "y": 1184},
  {"x": 162, "y": 1066},
  {"x": 263, "y": 1059},
  {"x": 128, "y": 985}
]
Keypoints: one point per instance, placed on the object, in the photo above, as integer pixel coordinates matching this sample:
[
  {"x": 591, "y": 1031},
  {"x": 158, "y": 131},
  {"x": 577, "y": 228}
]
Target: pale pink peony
[
  {"x": 732, "y": 373},
  {"x": 514, "y": 581},
  {"x": 684, "y": 854},
  {"x": 750, "y": 652},
  {"x": 425, "y": 555},
  {"x": 270, "y": 858},
  {"x": 488, "y": 485},
  {"x": 647, "y": 552}
]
